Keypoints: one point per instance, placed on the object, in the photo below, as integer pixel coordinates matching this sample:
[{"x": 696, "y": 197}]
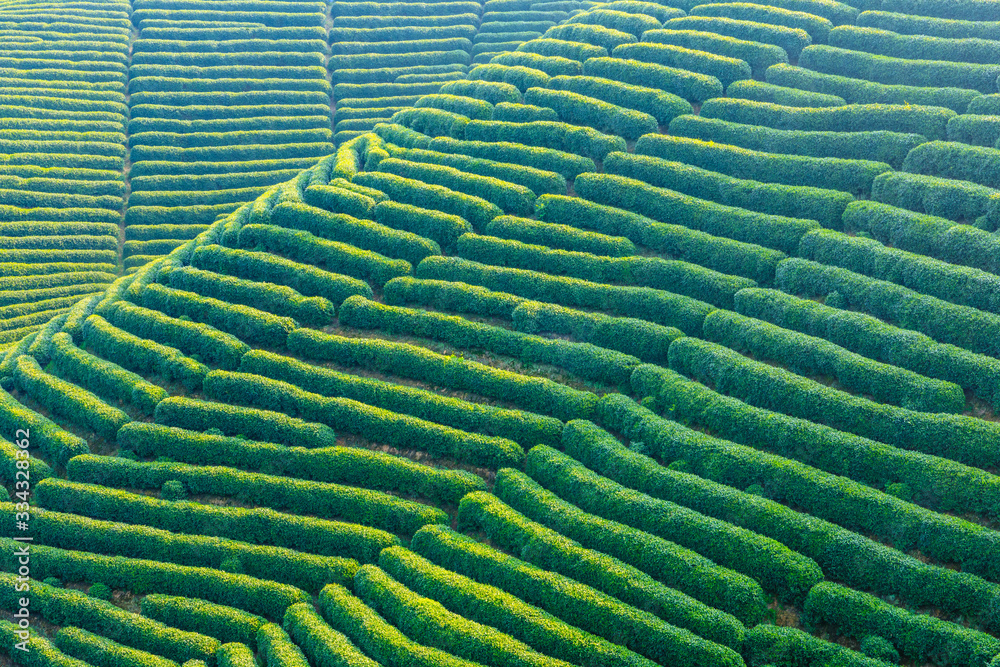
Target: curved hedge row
[
  {"x": 916, "y": 636},
  {"x": 770, "y": 231},
  {"x": 440, "y": 227},
  {"x": 570, "y": 50},
  {"x": 246, "y": 323},
  {"x": 584, "y": 141},
  {"x": 587, "y": 361},
  {"x": 930, "y": 122},
  {"x": 520, "y": 77},
  {"x": 950, "y": 323},
  {"x": 661, "y": 105},
  {"x": 807, "y": 355},
  {"x": 257, "y": 526},
  {"x": 771, "y": 644},
  {"x": 636, "y": 337},
  {"x": 668, "y": 562},
  {"x": 874, "y": 338},
  {"x": 654, "y": 305},
  {"x": 643, "y": 340},
  {"x": 495, "y": 607},
  {"x": 520, "y": 426},
  {"x": 924, "y": 234},
  {"x": 647, "y": 272},
  {"x": 932, "y": 277},
  {"x": 956, "y": 437},
  {"x": 375, "y": 636},
  {"x": 567, "y": 164},
  {"x": 817, "y": 27},
  {"x": 417, "y": 193},
  {"x": 263, "y": 425},
  {"x": 791, "y": 40},
  {"x": 338, "y": 465},
  {"x": 859, "y": 91},
  {"x": 324, "y": 500},
  {"x": 277, "y": 299},
  {"x": 812, "y": 203},
  {"x": 493, "y": 92},
  {"x": 844, "y": 555},
  {"x": 435, "y": 626},
  {"x": 363, "y": 234},
  {"x": 306, "y": 571},
  {"x": 77, "y": 609},
  {"x": 943, "y": 197},
  {"x": 714, "y": 252},
  {"x": 578, "y": 109},
  {"x": 876, "y": 146},
  {"x": 900, "y": 71},
  {"x": 224, "y": 623},
  {"x": 106, "y": 379},
  {"x": 324, "y": 646},
  {"x": 431, "y": 121},
  {"x": 310, "y": 249},
  {"x": 631, "y": 22},
  {"x": 94, "y": 649},
  {"x": 141, "y": 355},
  {"x": 956, "y": 161},
  {"x": 852, "y": 176},
  {"x": 759, "y": 56},
  {"x": 723, "y": 68},
  {"x": 376, "y": 424},
  {"x": 530, "y": 392},
  {"x": 975, "y": 10},
  {"x": 543, "y": 547},
  {"x": 68, "y": 400},
  {"x": 195, "y": 338},
  {"x": 598, "y": 35},
  {"x": 277, "y": 648},
  {"x": 509, "y": 197},
  {"x": 690, "y": 86},
  {"x": 911, "y": 24},
  {"x": 251, "y": 265},
  {"x": 539, "y": 181},
  {"x": 471, "y": 108},
  {"x": 933, "y": 482},
  {"x": 588, "y": 609},
  {"x": 914, "y": 47},
  {"x": 559, "y": 236},
  {"x": 550, "y": 65},
  {"x": 777, "y": 568},
  {"x": 259, "y": 596}
]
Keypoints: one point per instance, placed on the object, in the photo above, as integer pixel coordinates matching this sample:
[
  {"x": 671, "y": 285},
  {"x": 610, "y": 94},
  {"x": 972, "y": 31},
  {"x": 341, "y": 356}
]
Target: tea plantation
[{"x": 499, "y": 334}]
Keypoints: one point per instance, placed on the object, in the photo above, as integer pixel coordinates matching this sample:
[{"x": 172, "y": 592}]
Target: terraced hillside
[
  {"x": 129, "y": 128},
  {"x": 538, "y": 334}
]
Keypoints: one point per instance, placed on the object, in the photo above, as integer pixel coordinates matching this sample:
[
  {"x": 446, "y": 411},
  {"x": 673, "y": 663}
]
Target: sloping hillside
[{"x": 667, "y": 336}]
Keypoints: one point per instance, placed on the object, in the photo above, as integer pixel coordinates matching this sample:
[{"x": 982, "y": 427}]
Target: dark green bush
[
  {"x": 340, "y": 465},
  {"x": 792, "y": 40},
  {"x": 817, "y": 27},
  {"x": 770, "y": 231},
  {"x": 875, "y": 146},
  {"x": 793, "y": 201},
  {"x": 861, "y": 91},
  {"x": 852, "y": 176},
  {"x": 714, "y": 252},
  {"x": 546, "y": 548},
  {"x": 917, "y": 636},
  {"x": 900, "y": 71},
  {"x": 690, "y": 86}
]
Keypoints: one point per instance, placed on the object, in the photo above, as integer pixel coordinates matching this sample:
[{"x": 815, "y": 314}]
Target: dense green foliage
[{"x": 520, "y": 332}]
